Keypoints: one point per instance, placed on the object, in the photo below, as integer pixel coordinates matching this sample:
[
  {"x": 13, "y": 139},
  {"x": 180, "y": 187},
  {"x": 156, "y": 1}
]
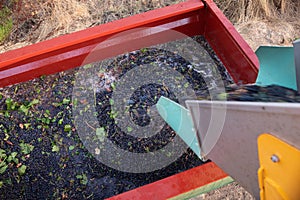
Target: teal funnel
[
  {"x": 277, "y": 67},
  {"x": 180, "y": 120}
]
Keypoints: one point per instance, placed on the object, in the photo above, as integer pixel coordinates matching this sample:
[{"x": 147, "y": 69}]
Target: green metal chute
[
  {"x": 180, "y": 120},
  {"x": 277, "y": 67}
]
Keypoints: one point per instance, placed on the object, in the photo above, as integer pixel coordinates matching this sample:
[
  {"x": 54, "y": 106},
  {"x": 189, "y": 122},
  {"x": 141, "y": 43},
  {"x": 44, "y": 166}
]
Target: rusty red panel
[
  {"x": 231, "y": 48},
  {"x": 69, "y": 51},
  {"x": 176, "y": 184}
]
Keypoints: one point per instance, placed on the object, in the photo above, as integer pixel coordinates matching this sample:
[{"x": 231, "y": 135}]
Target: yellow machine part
[{"x": 279, "y": 172}]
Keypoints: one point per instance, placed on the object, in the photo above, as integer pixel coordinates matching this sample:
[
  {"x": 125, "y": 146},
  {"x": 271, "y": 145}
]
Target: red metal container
[{"x": 194, "y": 17}]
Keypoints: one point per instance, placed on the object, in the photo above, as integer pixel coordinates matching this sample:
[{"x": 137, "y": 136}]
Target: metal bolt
[{"x": 275, "y": 158}]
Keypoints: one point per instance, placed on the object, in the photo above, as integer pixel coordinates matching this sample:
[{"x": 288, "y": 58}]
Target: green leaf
[
  {"x": 67, "y": 128},
  {"x": 60, "y": 121},
  {"x": 222, "y": 96},
  {"x": 186, "y": 85},
  {"x": 66, "y": 101},
  {"x": 24, "y": 109},
  {"x": 113, "y": 86},
  {"x": 144, "y": 50},
  {"x": 6, "y": 137},
  {"x": 12, "y": 157},
  {"x": 2, "y": 154},
  {"x": 3, "y": 169},
  {"x": 129, "y": 129},
  {"x": 75, "y": 102},
  {"x": 46, "y": 120},
  {"x": 55, "y": 148},
  {"x": 16, "y": 160},
  {"x": 79, "y": 176},
  {"x": 8, "y": 103},
  {"x": 71, "y": 148},
  {"x": 87, "y": 66},
  {"x": 14, "y": 154},
  {"x": 26, "y": 148},
  {"x": 84, "y": 179},
  {"x": 113, "y": 114},
  {"x": 42, "y": 77},
  {"x": 34, "y": 101},
  {"x": 101, "y": 134},
  {"x": 47, "y": 113},
  {"x": 23, "y": 158},
  {"x": 7, "y": 114},
  {"x": 14, "y": 106},
  {"x": 56, "y": 104},
  {"x": 27, "y": 125},
  {"x": 9, "y": 159},
  {"x": 7, "y": 181},
  {"x": 2, "y": 163},
  {"x": 22, "y": 170},
  {"x": 1, "y": 184}
]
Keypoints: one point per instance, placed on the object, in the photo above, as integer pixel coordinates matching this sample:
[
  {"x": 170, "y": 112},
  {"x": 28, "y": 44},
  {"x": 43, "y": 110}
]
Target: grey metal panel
[
  {"x": 297, "y": 61},
  {"x": 235, "y": 151}
]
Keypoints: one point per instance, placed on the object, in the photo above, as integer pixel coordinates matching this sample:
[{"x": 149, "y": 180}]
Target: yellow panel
[{"x": 279, "y": 173}]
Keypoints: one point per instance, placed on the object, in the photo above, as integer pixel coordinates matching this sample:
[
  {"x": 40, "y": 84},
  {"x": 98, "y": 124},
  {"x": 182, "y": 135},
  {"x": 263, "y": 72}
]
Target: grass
[{"x": 6, "y": 23}]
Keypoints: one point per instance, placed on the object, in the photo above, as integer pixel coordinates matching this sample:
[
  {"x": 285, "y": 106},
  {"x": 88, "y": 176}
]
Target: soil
[
  {"x": 59, "y": 166},
  {"x": 44, "y": 157}
]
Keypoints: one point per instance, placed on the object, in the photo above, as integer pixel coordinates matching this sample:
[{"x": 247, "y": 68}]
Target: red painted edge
[
  {"x": 175, "y": 185},
  {"x": 89, "y": 34},
  {"x": 70, "y": 51}
]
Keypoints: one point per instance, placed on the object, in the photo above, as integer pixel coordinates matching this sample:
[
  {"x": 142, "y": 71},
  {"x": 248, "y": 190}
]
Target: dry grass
[
  {"x": 37, "y": 20},
  {"x": 266, "y": 33},
  {"x": 245, "y": 10},
  {"x": 67, "y": 16},
  {"x": 61, "y": 17},
  {"x": 232, "y": 191},
  {"x": 264, "y": 22}
]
